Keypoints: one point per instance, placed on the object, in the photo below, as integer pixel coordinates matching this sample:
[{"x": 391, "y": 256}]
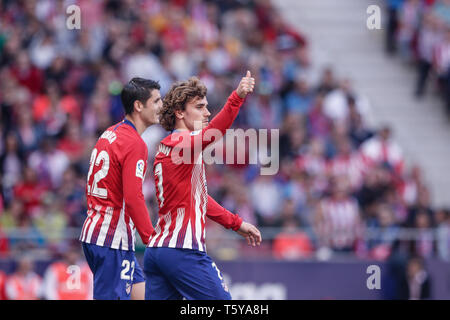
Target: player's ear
[
  {"x": 179, "y": 114},
  {"x": 138, "y": 106}
]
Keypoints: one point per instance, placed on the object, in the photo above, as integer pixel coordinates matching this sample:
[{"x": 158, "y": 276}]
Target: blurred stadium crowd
[
  {"x": 419, "y": 31},
  {"x": 342, "y": 186}
]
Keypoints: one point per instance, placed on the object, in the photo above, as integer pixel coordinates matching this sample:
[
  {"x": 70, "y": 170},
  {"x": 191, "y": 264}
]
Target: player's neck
[
  {"x": 138, "y": 124},
  {"x": 181, "y": 126}
]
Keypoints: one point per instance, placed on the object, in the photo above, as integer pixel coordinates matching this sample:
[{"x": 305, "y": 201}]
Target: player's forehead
[{"x": 198, "y": 101}]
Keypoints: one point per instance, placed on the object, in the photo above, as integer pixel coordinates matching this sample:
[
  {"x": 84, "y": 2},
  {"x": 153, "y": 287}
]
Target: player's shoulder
[
  {"x": 179, "y": 138},
  {"x": 110, "y": 134},
  {"x": 127, "y": 137}
]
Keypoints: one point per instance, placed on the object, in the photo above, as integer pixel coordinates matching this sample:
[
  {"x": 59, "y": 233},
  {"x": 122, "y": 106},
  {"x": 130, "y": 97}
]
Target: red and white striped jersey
[
  {"x": 339, "y": 224},
  {"x": 181, "y": 186},
  {"x": 352, "y": 166},
  {"x": 116, "y": 205},
  {"x": 376, "y": 151}
]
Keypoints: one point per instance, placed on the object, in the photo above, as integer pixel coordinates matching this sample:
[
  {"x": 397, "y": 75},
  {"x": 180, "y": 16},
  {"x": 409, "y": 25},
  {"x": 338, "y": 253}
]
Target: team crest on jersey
[
  {"x": 140, "y": 169},
  {"x": 128, "y": 288},
  {"x": 225, "y": 287}
]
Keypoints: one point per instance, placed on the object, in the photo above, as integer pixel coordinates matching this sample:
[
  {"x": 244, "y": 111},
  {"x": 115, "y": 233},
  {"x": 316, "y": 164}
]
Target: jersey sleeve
[
  {"x": 133, "y": 170},
  {"x": 200, "y": 139},
  {"x": 224, "y": 119},
  {"x": 222, "y": 216}
]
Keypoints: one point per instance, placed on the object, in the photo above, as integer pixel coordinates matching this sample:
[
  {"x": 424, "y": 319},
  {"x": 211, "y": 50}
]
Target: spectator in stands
[
  {"x": 11, "y": 162},
  {"x": 336, "y": 102},
  {"x": 383, "y": 150},
  {"x": 441, "y": 65},
  {"x": 51, "y": 221},
  {"x": 24, "y": 284},
  {"x": 392, "y": 198},
  {"x": 393, "y": 8},
  {"x": 31, "y": 191},
  {"x": 421, "y": 205},
  {"x": 313, "y": 162},
  {"x": 319, "y": 124},
  {"x": 441, "y": 9},
  {"x": 429, "y": 37},
  {"x": 424, "y": 244},
  {"x": 327, "y": 83},
  {"x": 3, "y": 277},
  {"x": 49, "y": 163},
  {"x": 412, "y": 182},
  {"x": 359, "y": 133},
  {"x": 71, "y": 143},
  {"x": 349, "y": 163},
  {"x": 28, "y": 133},
  {"x": 417, "y": 283},
  {"x": 68, "y": 278},
  {"x": 383, "y": 235},
  {"x": 291, "y": 243},
  {"x": 4, "y": 245},
  {"x": 72, "y": 196},
  {"x": 266, "y": 198},
  {"x": 26, "y": 73},
  {"x": 409, "y": 22},
  {"x": 443, "y": 234},
  {"x": 338, "y": 220},
  {"x": 298, "y": 100},
  {"x": 264, "y": 111},
  {"x": 292, "y": 137},
  {"x": 9, "y": 219},
  {"x": 239, "y": 202},
  {"x": 26, "y": 236}
]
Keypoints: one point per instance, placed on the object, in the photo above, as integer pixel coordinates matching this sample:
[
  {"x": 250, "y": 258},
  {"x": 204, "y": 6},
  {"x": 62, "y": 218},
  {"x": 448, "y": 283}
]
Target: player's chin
[{"x": 205, "y": 124}]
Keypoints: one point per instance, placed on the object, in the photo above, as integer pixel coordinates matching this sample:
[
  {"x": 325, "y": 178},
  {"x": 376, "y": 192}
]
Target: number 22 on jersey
[{"x": 103, "y": 158}]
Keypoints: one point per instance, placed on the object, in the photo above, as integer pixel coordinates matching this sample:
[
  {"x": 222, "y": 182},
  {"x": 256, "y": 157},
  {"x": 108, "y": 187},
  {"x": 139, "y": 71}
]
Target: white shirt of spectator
[
  {"x": 335, "y": 105},
  {"x": 376, "y": 152}
]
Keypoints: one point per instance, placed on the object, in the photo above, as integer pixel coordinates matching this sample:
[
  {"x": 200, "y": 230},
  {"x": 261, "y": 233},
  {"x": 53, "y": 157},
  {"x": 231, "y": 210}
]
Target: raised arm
[
  {"x": 224, "y": 119},
  {"x": 200, "y": 139}
]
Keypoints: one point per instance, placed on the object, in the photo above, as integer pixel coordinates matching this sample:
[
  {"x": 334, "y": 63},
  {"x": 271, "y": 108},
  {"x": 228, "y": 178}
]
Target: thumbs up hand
[{"x": 246, "y": 85}]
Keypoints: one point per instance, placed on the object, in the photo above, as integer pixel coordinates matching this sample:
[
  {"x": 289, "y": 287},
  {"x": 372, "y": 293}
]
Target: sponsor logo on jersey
[
  {"x": 128, "y": 288},
  {"x": 224, "y": 286},
  {"x": 140, "y": 169}
]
